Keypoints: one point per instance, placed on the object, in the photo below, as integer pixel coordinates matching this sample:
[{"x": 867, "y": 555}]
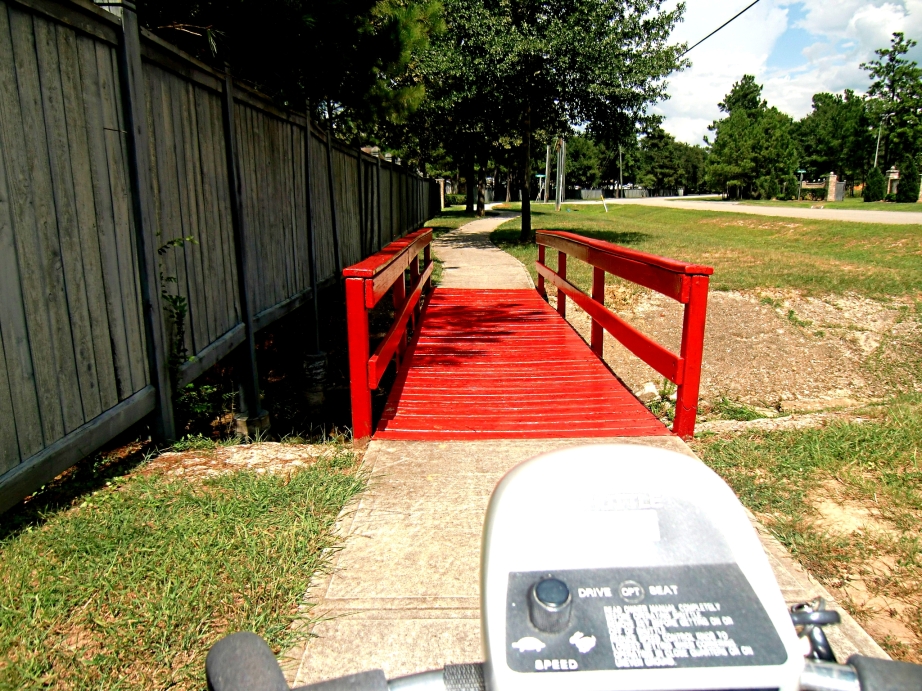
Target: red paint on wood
[
  {"x": 366, "y": 283},
  {"x": 561, "y": 296},
  {"x": 686, "y": 407},
  {"x": 617, "y": 251},
  {"x": 396, "y": 335},
  {"x": 501, "y": 364},
  {"x": 683, "y": 282},
  {"x": 598, "y": 294},
  {"x": 659, "y": 358},
  {"x": 357, "y": 326}
]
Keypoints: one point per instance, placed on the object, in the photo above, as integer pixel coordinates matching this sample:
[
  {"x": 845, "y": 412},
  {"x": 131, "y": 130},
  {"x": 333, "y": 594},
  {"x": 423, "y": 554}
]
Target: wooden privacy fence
[
  {"x": 133, "y": 180},
  {"x": 683, "y": 282}
]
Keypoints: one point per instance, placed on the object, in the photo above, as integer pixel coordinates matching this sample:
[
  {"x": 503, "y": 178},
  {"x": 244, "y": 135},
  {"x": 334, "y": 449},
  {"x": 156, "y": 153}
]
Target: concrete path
[
  {"x": 850, "y": 215},
  {"x": 470, "y": 260},
  {"x": 403, "y": 594}
]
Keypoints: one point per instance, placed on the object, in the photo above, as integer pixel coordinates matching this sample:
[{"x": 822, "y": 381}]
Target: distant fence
[{"x": 114, "y": 146}]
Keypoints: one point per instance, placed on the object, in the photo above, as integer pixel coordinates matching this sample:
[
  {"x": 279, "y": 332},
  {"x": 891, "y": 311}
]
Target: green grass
[
  {"x": 849, "y": 203},
  {"x": 781, "y": 476},
  {"x": 815, "y": 257},
  {"x": 725, "y": 409},
  {"x": 130, "y": 585}
]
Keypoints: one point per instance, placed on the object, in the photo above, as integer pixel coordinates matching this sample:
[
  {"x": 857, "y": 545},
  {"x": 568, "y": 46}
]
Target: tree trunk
[
  {"x": 481, "y": 190},
  {"x": 469, "y": 184},
  {"x": 527, "y": 235}
]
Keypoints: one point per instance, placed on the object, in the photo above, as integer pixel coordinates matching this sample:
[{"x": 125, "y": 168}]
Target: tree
[
  {"x": 660, "y": 165},
  {"x": 349, "y": 59},
  {"x": 753, "y": 149},
  {"x": 837, "y": 136},
  {"x": 519, "y": 70},
  {"x": 584, "y": 161},
  {"x": 875, "y": 185},
  {"x": 895, "y": 99},
  {"x": 908, "y": 189}
]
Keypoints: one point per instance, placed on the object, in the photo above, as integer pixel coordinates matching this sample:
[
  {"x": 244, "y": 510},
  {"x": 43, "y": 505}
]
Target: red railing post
[
  {"x": 686, "y": 405},
  {"x": 414, "y": 277},
  {"x": 598, "y": 294},
  {"x": 541, "y": 260},
  {"x": 427, "y": 258},
  {"x": 562, "y": 272},
  {"x": 357, "y": 325},
  {"x": 399, "y": 294}
]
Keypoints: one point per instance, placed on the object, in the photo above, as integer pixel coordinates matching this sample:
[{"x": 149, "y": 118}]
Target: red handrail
[
  {"x": 683, "y": 282},
  {"x": 366, "y": 283}
]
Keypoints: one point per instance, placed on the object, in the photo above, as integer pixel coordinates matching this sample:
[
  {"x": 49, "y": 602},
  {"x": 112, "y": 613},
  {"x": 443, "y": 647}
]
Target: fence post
[
  {"x": 253, "y": 419},
  {"x": 378, "y": 199},
  {"x": 337, "y": 254},
  {"x": 686, "y": 405},
  {"x": 140, "y": 166},
  {"x": 363, "y": 240},
  {"x": 315, "y": 362}
]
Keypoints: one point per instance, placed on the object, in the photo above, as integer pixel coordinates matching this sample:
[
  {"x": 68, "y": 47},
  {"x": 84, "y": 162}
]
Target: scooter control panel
[{"x": 625, "y": 567}]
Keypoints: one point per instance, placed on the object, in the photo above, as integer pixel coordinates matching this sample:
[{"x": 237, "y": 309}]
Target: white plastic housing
[{"x": 609, "y": 506}]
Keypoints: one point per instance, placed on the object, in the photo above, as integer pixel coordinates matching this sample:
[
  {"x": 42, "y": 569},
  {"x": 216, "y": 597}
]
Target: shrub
[
  {"x": 875, "y": 186},
  {"x": 767, "y": 187},
  {"x": 789, "y": 187},
  {"x": 908, "y": 189},
  {"x": 455, "y": 200}
]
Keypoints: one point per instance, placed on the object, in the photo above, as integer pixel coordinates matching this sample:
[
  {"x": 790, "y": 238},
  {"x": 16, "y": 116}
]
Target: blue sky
[{"x": 794, "y": 49}]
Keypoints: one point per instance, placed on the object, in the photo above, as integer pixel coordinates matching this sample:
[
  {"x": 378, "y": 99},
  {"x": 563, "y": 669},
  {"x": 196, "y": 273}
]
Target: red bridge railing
[
  {"x": 684, "y": 283},
  {"x": 366, "y": 284}
]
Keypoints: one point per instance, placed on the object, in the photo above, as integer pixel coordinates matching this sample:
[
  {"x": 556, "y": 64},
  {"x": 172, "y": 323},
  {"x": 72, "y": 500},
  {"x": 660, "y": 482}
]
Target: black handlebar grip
[
  {"x": 875, "y": 674},
  {"x": 243, "y": 662},
  {"x": 464, "y": 677}
]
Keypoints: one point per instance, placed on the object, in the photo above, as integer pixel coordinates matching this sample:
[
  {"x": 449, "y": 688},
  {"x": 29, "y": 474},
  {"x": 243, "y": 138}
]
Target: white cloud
[{"x": 843, "y": 34}]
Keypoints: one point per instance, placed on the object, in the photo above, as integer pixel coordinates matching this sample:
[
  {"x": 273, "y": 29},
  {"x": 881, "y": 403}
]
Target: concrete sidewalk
[{"x": 403, "y": 594}]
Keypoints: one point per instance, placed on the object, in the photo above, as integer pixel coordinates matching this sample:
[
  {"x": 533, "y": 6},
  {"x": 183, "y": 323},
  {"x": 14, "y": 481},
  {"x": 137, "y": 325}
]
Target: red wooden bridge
[{"x": 503, "y": 364}]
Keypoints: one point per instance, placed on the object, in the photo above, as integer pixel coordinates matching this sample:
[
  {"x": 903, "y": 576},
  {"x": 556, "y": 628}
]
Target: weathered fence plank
[
  {"x": 112, "y": 144},
  {"x": 15, "y": 221}
]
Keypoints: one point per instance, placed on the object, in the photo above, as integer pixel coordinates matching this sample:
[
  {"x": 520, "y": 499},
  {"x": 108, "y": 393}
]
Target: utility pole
[
  {"x": 547, "y": 174},
  {"x": 560, "y": 168},
  {"x": 879, "y": 130}
]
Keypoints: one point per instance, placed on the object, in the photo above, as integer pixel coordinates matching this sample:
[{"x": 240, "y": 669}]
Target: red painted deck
[{"x": 501, "y": 364}]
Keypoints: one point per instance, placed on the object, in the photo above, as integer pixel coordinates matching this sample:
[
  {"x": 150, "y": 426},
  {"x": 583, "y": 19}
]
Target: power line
[{"x": 719, "y": 28}]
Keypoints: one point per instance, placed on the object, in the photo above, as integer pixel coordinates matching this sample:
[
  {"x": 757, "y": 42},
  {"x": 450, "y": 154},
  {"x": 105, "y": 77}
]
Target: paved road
[{"x": 850, "y": 215}]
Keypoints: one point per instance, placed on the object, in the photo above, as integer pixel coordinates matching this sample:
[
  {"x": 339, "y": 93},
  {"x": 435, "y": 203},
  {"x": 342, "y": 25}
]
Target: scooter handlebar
[{"x": 243, "y": 662}]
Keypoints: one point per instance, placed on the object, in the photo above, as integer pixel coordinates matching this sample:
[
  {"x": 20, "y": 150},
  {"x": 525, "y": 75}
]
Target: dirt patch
[
  {"x": 877, "y": 590},
  {"x": 775, "y": 350},
  {"x": 263, "y": 457}
]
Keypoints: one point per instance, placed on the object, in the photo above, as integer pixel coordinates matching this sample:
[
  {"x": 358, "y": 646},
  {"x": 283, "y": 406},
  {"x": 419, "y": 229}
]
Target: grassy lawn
[
  {"x": 797, "y": 482},
  {"x": 128, "y": 582},
  {"x": 815, "y": 257}
]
